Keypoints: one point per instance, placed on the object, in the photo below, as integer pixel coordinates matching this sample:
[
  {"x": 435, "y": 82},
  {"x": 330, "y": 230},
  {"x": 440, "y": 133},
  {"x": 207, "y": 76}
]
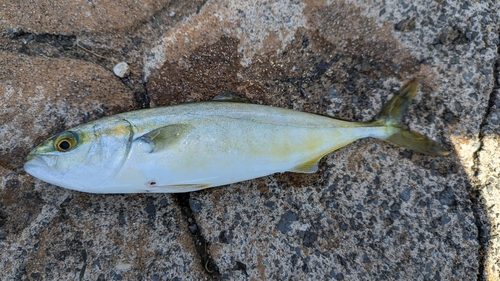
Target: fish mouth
[
  {"x": 39, "y": 168},
  {"x": 35, "y": 165}
]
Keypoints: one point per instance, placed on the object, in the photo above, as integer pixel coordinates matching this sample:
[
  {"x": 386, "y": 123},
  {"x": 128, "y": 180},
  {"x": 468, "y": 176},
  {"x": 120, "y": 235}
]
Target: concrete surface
[{"x": 372, "y": 212}]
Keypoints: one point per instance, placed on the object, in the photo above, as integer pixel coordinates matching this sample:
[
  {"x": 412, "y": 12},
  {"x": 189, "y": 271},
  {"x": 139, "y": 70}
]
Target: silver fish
[{"x": 195, "y": 146}]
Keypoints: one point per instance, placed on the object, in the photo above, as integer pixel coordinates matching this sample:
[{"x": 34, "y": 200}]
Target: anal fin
[{"x": 308, "y": 167}]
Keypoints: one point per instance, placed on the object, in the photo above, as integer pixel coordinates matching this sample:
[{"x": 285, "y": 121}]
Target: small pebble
[
  {"x": 193, "y": 228},
  {"x": 122, "y": 70}
]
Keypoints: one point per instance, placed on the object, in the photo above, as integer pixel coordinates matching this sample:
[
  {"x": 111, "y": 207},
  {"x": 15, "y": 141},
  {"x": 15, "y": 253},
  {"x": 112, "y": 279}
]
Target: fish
[{"x": 194, "y": 146}]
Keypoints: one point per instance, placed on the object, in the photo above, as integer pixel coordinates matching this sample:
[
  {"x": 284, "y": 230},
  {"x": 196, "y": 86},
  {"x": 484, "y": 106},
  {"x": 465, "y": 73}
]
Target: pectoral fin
[
  {"x": 164, "y": 137},
  {"x": 308, "y": 167}
]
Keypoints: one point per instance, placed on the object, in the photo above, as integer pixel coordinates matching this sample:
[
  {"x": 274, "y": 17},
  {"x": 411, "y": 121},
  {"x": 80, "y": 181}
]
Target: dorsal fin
[
  {"x": 230, "y": 96},
  {"x": 165, "y": 137}
]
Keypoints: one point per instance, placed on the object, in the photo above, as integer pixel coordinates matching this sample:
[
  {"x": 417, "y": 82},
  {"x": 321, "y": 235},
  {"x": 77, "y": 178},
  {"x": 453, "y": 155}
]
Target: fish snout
[{"x": 35, "y": 164}]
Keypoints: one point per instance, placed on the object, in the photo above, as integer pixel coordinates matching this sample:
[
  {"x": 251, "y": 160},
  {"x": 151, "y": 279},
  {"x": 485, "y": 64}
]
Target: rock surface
[{"x": 372, "y": 212}]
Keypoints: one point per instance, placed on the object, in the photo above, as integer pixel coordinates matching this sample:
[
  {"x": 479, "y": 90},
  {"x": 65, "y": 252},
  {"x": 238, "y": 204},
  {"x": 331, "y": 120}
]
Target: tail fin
[{"x": 391, "y": 116}]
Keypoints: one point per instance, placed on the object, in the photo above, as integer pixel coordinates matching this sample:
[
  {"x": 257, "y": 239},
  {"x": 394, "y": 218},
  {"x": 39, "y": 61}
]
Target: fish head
[{"x": 83, "y": 158}]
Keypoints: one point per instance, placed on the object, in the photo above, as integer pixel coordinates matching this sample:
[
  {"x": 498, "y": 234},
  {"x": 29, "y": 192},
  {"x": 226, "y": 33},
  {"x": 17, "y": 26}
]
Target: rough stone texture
[
  {"x": 488, "y": 180},
  {"x": 372, "y": 212},
  {"x": 81, "y": 15}
]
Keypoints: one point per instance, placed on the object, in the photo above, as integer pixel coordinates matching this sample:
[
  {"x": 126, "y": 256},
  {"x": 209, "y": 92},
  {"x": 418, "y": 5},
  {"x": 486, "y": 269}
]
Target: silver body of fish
[{"x": 195, "y": 146}]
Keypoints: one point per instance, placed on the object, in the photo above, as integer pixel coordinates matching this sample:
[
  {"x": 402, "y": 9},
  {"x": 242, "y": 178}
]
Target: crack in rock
[
  {"x": 188, "y": 207},
  {"x": 482, "y": 220}
]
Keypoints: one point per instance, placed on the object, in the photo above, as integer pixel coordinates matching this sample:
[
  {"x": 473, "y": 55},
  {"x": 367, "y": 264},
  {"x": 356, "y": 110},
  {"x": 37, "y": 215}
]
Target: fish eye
[
  {"x": 65, "y": 142},
  {"x": 64, "y": 145}
]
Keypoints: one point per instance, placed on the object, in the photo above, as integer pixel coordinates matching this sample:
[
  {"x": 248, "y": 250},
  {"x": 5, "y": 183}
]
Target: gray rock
[{"x": 372, "y": 212}]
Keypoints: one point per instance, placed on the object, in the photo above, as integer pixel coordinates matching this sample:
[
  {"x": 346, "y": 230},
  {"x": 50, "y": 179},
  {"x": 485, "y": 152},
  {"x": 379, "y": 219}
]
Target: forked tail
[{"x": 391, "y": 116}]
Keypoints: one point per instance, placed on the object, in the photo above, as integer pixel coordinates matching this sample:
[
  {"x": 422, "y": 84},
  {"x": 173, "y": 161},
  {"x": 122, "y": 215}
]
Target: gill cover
[{"x": 108, "y": 147}]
